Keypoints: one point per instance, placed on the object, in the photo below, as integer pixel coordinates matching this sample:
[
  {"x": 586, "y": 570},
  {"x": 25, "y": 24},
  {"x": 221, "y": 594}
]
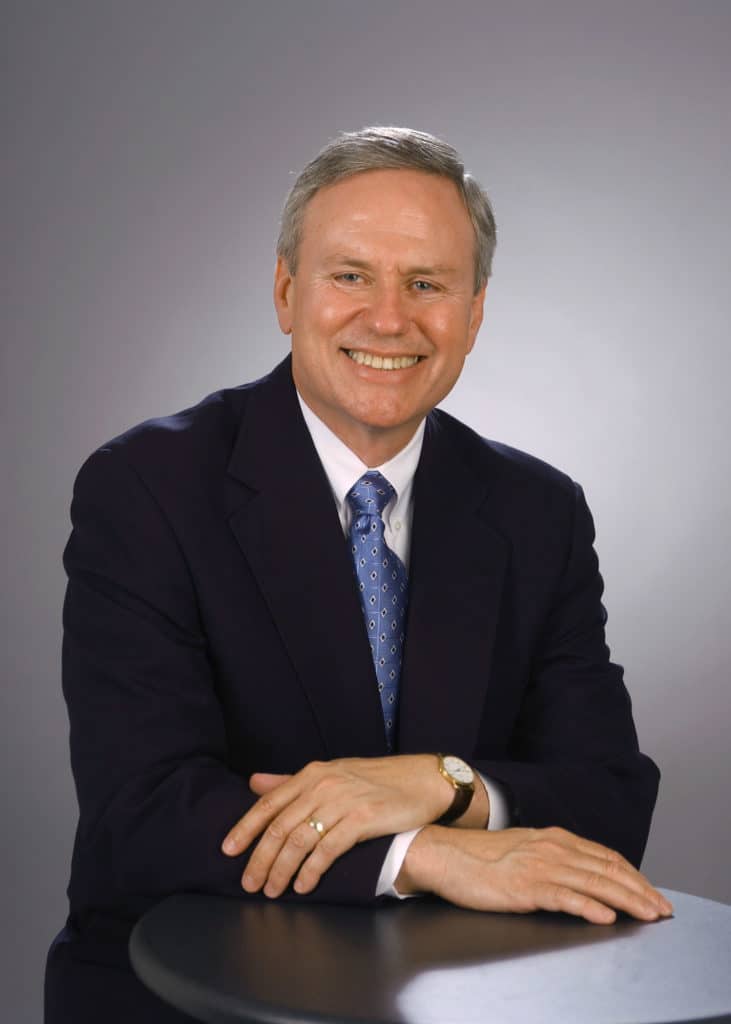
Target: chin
[{"x": 386, "y": 418}]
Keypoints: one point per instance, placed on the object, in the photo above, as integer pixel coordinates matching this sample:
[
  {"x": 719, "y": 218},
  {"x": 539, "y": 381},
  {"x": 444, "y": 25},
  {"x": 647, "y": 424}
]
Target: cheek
[
  {"x": 328, "y": 319},
  {"x": 449, "y": 330},
  {"x": 326, "y": 310}
]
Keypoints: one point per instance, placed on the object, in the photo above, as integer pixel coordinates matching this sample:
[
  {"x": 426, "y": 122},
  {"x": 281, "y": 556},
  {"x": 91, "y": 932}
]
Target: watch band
[{"x": 463, "y": 793}]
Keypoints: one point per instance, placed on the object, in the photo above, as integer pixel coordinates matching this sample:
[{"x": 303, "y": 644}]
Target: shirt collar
[{"x": 344, "y": 468}]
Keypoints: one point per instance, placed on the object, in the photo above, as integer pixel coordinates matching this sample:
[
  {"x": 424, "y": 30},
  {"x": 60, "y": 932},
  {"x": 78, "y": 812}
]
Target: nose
[{"x": 387, "y": 314}]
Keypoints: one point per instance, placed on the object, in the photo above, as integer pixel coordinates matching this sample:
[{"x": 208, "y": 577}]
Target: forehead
[{"x": 405, "y": 208}]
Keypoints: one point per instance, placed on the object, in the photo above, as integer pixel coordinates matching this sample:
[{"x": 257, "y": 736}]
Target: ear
[
  {"x": 283, "y": 295},
  {"x": 476, "y": 311}
]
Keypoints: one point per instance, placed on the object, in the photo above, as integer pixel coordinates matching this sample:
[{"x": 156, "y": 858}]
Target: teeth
[{"x": 382, "y": 362}]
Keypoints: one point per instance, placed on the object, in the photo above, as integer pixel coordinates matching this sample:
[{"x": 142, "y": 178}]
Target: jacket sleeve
[
  {"x": 573, "y": 759},
  {"x": 148, "y": 739}
]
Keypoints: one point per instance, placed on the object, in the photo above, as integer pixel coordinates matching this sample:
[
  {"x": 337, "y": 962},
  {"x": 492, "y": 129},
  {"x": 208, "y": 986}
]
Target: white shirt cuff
[
  {"x": 392, "y": 864},
  {"x": 499, "y": 813},
  {"x": 499, "y": 819}
]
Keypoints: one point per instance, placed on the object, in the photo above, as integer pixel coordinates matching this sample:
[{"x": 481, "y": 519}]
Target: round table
[{"x": 424, "y": 961}]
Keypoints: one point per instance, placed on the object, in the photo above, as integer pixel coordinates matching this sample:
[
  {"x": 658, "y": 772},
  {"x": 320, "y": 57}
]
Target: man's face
[{"x": 382, "y": 310}]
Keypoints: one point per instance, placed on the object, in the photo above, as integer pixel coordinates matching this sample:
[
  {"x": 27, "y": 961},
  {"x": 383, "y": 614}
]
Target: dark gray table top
[{"x": 423, "y": 961}]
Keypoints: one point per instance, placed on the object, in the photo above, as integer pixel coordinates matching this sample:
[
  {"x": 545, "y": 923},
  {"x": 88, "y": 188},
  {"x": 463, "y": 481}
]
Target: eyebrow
[{"x": 436, "y": 270}]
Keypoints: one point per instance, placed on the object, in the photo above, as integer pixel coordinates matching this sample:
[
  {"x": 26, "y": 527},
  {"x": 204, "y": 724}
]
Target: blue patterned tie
[{"x": 382, "y": 583}]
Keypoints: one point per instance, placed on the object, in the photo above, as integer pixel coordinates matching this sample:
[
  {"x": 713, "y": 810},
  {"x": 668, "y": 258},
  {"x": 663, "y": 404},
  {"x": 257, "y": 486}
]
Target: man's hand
[
  {"x": 354, "y": 798},
  {"x": 522, "y": 869}
]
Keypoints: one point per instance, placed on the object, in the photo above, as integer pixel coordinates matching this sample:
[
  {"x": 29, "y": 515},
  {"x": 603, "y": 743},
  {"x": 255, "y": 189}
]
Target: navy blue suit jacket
[{"x": 213, "y": 628}]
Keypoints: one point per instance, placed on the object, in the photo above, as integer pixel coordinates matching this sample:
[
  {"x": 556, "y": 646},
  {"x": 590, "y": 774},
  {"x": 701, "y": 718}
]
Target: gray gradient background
[{"x": 150, "y": 147}]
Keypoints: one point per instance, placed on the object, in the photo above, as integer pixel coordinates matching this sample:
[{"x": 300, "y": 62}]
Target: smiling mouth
[{"x": 381, "y": 362}]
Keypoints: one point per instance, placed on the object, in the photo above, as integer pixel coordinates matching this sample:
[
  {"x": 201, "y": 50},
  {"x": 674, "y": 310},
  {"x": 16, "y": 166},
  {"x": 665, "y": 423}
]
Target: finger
[
  {"x": 621, "y": 871},
  {"x": 608, "y": 891},
  {"x": 300, "y": 842},
  {"x": 581, "y": 855},
  {"x": 563, "y": 898},
  {"x": 624, "y": 873},
  {"x": 276, "y": 860},
  {"x": 277, "y": 835},
  {"x": 610, "y": 863},
  {"x": 274, "y": 837},
  {"x": 264, "y": 782},
  {"x": 574, "y": 842},
  {"x": 259, "y": 815},
  {"x": 605, "y": 853},
  {"x": 337, "y": 841}
]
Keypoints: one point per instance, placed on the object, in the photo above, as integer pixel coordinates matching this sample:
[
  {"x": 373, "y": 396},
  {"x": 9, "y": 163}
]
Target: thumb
[{"x": 264, "y": 782}]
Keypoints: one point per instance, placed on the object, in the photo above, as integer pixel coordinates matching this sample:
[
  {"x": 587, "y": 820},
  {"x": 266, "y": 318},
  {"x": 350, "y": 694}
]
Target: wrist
[
  {"x": 469, "y": 806},
  {"x": 417, "y": 868},
  {"x": 461, "y": 779},
  {"x": 477, "y": 815}
]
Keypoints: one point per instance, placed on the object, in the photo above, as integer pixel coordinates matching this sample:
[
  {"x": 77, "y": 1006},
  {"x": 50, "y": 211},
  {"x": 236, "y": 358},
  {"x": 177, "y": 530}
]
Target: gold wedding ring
[{"x": 318, "y": 826}]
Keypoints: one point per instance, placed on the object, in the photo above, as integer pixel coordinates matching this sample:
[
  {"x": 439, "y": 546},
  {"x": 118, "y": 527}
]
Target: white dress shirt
[{"x": 343, "y": 468}]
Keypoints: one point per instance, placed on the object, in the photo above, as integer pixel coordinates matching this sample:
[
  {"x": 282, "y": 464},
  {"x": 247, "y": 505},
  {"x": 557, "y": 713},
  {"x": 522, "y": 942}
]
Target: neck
[{"x": 374, "y": 451}]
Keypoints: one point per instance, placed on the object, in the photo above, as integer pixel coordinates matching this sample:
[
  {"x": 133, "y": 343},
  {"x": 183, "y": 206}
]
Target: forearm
[
  {"x": 610, "y": 802},
  {"x": 156, "y": 790},
  {"x": 161, "y": 834}
]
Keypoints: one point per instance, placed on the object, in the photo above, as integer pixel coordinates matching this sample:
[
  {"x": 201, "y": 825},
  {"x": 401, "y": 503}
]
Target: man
[{"x": 302, "y": 589}]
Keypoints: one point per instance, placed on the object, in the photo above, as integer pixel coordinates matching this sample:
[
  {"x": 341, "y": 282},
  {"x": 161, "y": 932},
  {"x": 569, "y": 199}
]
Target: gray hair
[{"x": 387, "y": 148}]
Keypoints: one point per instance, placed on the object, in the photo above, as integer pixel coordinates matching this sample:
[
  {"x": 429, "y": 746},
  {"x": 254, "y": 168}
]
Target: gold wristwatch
[{"x": 460, "y": 775}]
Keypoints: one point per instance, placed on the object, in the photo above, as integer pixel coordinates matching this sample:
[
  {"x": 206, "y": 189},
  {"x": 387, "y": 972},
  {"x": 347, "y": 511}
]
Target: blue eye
[
  {"x": 423, "y": 286},
  {"x": 350, "y": 277}
]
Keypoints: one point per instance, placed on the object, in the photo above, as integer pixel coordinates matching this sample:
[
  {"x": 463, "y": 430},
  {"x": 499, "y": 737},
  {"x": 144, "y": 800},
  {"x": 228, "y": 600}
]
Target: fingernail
[
  {"x": 299, "y": 885},
  {"x": 249, "y": 883},
  {"x": 229, "y": 845}
]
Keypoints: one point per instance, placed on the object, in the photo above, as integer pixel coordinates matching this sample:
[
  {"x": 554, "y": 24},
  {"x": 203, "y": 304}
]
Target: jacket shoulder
[
  {"x": 194, "y": 443},
  {"x": 501, "y": 462}
]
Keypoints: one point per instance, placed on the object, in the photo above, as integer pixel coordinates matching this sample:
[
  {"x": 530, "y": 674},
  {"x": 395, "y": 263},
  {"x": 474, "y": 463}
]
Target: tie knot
[{"x": 370, "y": 495}]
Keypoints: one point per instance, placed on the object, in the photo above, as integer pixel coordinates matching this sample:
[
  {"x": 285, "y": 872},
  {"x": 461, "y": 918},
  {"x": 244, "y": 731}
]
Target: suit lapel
[
  {"x": 285, "y": 520},
  {"x": 456, "y": 576}
]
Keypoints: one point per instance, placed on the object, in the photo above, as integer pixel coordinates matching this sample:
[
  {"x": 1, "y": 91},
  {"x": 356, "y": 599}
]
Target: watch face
[{"x": 458, "y": 769}]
